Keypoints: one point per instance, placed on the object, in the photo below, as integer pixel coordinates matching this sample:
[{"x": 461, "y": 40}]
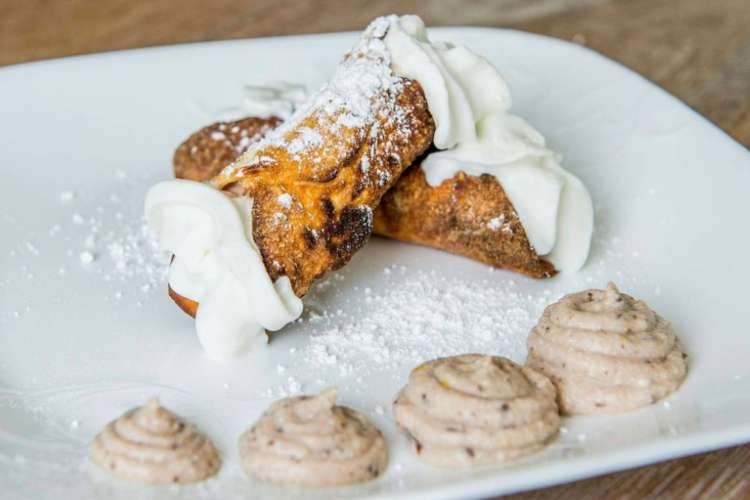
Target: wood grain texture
[{"x": 699, "y": 50}]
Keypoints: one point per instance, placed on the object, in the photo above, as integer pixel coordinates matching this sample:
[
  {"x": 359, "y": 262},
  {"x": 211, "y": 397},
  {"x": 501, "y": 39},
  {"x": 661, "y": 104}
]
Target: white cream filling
[
  {"x": 470, "y": 103},
  {"x": 217, "y": 264}
]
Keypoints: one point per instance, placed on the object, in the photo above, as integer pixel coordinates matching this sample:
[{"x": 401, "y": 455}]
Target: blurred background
[{"x": 699, "y": 50}]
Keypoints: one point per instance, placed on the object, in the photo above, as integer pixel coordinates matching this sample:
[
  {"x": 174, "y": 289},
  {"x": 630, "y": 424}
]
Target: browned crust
[
  {"x": 188, "y": 306},
  {"x": 332, "y": 195},
  {"x": 465, "y": 215},
  {"x": 212, "y": 148}
]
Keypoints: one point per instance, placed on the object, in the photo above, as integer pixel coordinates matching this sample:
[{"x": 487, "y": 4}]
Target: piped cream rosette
[
  {"x": 150, "y": 444},
  {"x": 474, "y": 410},
  {"x": 606, "y": 352},
  {"x": 310, "y": 441}
]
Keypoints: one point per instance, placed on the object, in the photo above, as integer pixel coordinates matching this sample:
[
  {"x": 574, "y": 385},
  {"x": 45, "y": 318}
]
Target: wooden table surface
[{"x": 699, "y": 50}]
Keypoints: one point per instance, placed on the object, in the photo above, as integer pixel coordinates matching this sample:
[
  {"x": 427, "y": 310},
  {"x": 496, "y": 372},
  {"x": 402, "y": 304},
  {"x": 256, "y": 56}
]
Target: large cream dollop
[
  {"x": 476, "y": 133},
  {"x": 150, "y": 444},
  {"x": 217, "y": 264},
  {"x": 310, "y": 441},
  {"x": 474, "y": 410},
  {"x": 606, "y": 352}
]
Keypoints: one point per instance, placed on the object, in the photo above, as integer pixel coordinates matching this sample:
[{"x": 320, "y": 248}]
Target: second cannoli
[{"x": 295, "y": 205}]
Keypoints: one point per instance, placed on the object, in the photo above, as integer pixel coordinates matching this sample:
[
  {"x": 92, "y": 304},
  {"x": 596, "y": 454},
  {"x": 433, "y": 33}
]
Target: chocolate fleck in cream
[
  {"x": 606, "y": 352},
  {"x": 475, "y": 410}
]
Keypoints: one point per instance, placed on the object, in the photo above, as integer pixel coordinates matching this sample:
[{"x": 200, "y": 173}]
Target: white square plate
[{"x": 83, "y": 138}]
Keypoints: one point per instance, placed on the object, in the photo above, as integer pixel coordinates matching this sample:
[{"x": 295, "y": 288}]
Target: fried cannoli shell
[
  {"x": 312, "y": 211},
  {"x": 465, "y": 215}
]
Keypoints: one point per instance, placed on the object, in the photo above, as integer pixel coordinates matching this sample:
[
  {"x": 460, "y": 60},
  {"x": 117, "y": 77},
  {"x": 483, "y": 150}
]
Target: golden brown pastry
[{"x": 466, "y": 215}]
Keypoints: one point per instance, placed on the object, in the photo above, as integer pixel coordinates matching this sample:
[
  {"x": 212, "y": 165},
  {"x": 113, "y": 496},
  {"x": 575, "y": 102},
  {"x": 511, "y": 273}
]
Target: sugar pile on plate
[{"x": 423, "y": 315}]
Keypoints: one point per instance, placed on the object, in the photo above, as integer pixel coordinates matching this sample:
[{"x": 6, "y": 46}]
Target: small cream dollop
[
  {"x": 606, "y": 352},
  {"x": 476, "y": 410},
  {"x": 217, "y": 264},
  {"x": 310, "y": 441},
  {"x": 278, "y": 99},
  {"x": 476, "y": 133},
  {"x": 152, "y": 445}
]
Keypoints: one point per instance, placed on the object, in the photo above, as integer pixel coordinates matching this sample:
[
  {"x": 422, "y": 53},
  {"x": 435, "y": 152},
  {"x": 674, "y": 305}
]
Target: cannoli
[
  {"x": 468, "y": 215},
  {"x": 295, "y": 205},
  {"x": 496, "y": 194}
]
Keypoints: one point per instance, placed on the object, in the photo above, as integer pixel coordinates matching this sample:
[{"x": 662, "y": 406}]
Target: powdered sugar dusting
[
  {"x": 306, "y": 139},
  {"x": 106, "y": 236},
  {"x": 404, "y": 315},
  {"x": 118, "y": 245},
  {"x": 284, "y": 200},
  {"x": 425, "y": 315}
]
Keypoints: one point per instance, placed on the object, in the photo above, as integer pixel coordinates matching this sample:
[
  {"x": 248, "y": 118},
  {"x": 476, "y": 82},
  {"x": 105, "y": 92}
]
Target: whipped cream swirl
[
  {"x": 152, "y": 445},
  {"x": 606, "y": 352},
  {"x": 470, "y": 103},
  {"x": 310, "y": 441},
  {"x": 217, "y": 264},
  {"x": 475, "y": 410}
]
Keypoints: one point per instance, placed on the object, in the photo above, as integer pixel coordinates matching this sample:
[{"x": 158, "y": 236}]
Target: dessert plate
[{"x": 87, "y": 331}]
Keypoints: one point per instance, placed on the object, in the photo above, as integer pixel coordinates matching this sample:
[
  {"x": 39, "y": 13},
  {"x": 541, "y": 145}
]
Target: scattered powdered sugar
[
  {"x": 86, "y": 257},
  {"x": 108, "y": 236},
  {"x": 284, "y": 200},
  {"x": 291, "y": 387},
  {"x": 134, "y": 253},
  {"x": 496, "y": 222},
  {"x": 67, "y": 196},
  {"x": 364, "y": 164},
  {"x": 423, "y": 316},
  {"x": 119, "y": 245},
  {"x": 306, "y": 139},
  {"x": 501, "y": 224}
]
